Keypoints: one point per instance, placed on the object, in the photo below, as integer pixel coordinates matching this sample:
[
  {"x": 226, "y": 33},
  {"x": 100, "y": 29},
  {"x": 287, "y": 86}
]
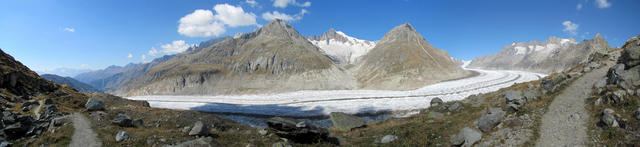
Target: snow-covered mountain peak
[
  {"x": 342, "y": 47},
  {"x": 525, "y": 48}
]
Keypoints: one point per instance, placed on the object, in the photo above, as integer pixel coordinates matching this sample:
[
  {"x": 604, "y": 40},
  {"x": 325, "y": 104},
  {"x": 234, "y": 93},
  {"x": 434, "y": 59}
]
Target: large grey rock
[
  {"x": 436, "y": 102},
  {"x": 637, "y": 114},
  {"x": 94, "y": 104},
  {"x": 122, "y": 135},
  {"x": 455, "y": 107},
  {"x": 388, "y": 139},
  {"x": 608, "y": 118},
  {"x": 200, "y": 142},
  {"x": 551, "y": 84},
  {"x": 456, "y": 140},
  {"x": 531, "y": 94},
  {"x": 631, "y": 54},
  {"x": 514, "y": 100},
  {"x": 631, "y": 77},
  {"x": 199, "y": 129},
  {"x": 490, "y": 119},
  {"x": 286, "y": 128},
  {"x": 600, "y": 83},
  {"x": 345, "y": 122},
  {"x": 470, "y": 136},
  {"x": 123, "y": 120},
  {"x": 619, "y": 96},
  {"x": 613, "y": 75}
]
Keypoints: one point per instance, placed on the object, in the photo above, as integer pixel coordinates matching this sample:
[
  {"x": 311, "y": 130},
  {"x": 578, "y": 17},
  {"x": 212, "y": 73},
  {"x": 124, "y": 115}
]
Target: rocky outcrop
[
  {"x": 345, "y": 122},
  {"x": 402, "y": 60},
  {"x": 293, "y": 130},
  {"x": 552, "y": 55}
]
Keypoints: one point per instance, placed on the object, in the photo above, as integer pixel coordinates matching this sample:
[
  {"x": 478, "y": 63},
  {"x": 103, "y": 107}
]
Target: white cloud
[
  {"x": 177, "y": 46},
  {"x": 579, "y": 7},
  {"x": 202, "y": 23},
  {"x": 70, "y": 30},
  {"x": 570, "y": 27},
  {"x": 286, "y": 17},
  {"x": 603, "y": 4},
  {"x": 285, "y": 3},
  {"x": 153, "y": 51},
  {"x": 234, "y": 16},
  {"x": 130, "y": 56},
  {"x": 251, "y": 3},
  {"x": 144, "y": 57}
]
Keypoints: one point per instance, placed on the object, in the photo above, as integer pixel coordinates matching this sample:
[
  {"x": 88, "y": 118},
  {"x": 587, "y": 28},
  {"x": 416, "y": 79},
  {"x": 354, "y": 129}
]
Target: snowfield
[{"x": 320, "y": 103}]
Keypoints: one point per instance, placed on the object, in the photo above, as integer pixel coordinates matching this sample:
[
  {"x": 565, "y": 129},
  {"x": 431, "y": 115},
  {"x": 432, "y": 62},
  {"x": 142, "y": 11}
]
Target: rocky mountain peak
[
  {"x": 402, "y": 32},
  {"x": 598, "y": 36},
  {"x": 276, "y": 28}
]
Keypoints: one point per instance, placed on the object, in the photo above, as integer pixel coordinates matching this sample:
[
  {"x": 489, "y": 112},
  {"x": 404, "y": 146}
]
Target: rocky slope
[
  {"x": 274, "y": 58},
  {"x": 402, "y": 60},
  {"x": 341, "y": 47},
  {"x": 112, "y": 77},
  {"x": 552, "y": 55},
  {"x": 75, "y": 84}
]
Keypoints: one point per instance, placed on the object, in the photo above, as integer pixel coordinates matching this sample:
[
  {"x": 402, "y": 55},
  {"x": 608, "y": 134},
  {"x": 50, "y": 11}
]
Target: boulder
[
  {"x": 631, "y": 77},
  {"x": 619, "y": 96},
  {"x": 531, "y": 95},
  {"x": 286, "y": 128},
  {"x": 345, "y": 122},
  {"x": 455, "y": 107},
  {"x": 613, "y": 75},
  {"x": 199, "y": 129},
  {"x": 550, "y": 84},
  {"x": 574, "y": 74},
  {"x": 262, "y": 131},
  {"x": 514, "y": 99},
  {"x": 388, "y": 139},
  {"x": 600, "y": 83},
  {"x": 200, "y": 142},
  {"x": 436, "y": 102},
  {"x": 122, "y": 135},
  {"x": 28, "y": 105},
  {"x": 123, "y": 120},
  {"x": 637, "y": 114},
  {"x": 466, "y": 137},
  {"x": 608, "y": 118},
  {"x": 186, "y": 129},
  {"x": 490, "y": 119},
  {"x": 15, "y": 131},
  {"x": 94, "y": 104},
  {"x": 631, "y": 54},
  {"x": 138, "y": 123},
  {"x": 48, "y": 101}
]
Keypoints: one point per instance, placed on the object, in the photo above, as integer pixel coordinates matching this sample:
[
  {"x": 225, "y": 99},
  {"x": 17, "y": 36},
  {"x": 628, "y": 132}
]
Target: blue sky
[{"x": 94, "y": 34}]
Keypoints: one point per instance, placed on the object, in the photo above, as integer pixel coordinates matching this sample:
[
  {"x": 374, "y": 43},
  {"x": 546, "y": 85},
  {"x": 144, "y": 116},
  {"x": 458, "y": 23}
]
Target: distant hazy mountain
[
  {"x": 69, "y": 72},
  {"x": 552, "y": 55},
  {"x": 403, "y": 59},
  {"x": 274, "y": 58},
  {"x": 113, "y": 77},
  {"x": 81, "y": 87},
  {"x": 344, "y": 49},
  {"x": 460, "y": 62}
]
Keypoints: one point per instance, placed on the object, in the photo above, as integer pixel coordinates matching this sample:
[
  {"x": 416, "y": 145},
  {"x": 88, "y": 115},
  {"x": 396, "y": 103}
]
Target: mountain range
[
  {"x": 553, "y": 55},
  {"x": 342, "y": 48}
]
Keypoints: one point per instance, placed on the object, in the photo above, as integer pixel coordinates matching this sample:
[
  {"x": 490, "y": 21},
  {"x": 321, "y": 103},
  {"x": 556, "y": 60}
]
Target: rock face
[
  {"x": 20, "y": 80},
  {"x": 199, "y": 129},
  {"x": 402, "y": 60},
  {"x": 94, "y": 104},
  {"x": 80, "y": 86},
  {"x": 490, "y": 119},
  {"x": 345, "y": 122},
  {"x": 553, "y": 55},
  {"x": 274, "y": 58},
  {"x": 287, "y": 128},
  {"x": 342, "y": 48}
]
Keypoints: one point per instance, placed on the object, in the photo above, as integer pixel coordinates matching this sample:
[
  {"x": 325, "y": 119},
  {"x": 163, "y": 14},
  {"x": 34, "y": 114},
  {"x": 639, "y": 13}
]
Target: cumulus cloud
[
  {"x": 202, "y": 23},
  {"x": 603, "y": 4},
  {"x": 285, "y": 3},
  {"x": 286, "y": 17},
  {"x": 130, "y": 56},
  {"x": 176, "y": 46},
  {"x": 570, "y": 27},
  {"x": 251, "y": 3},
  {"x": 579, "y": 6},
  {"x": 70, "y": 30}
]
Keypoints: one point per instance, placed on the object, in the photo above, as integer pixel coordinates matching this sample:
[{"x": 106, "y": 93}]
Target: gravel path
[
  {"x": 564, "y": 122},
  {"x": 83, "y": 135}
]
